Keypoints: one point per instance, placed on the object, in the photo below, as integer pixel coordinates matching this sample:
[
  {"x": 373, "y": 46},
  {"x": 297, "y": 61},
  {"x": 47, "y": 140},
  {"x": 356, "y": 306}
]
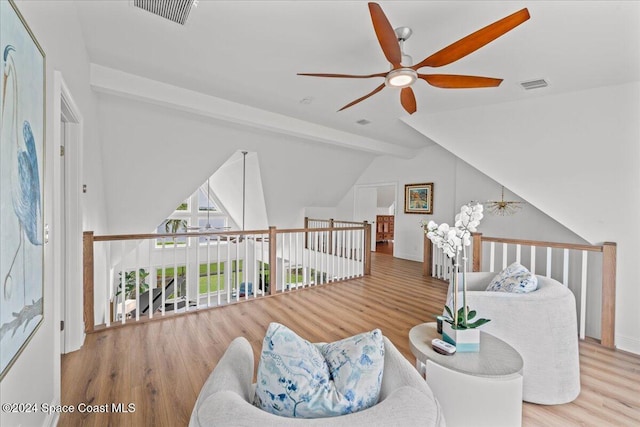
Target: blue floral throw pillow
[
  {"x": 295, "y": 380},
  {"x": 515, "y": 278}
]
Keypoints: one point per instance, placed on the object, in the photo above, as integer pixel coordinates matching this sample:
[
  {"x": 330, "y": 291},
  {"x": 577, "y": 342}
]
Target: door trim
[{"x": 65, "y": 106}]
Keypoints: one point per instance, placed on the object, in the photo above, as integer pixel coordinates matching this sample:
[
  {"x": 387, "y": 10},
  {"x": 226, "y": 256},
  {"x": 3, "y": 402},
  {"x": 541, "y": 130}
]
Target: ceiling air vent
[
  {"x": 534, "y": 84},
  {"x": 173, "y": 10}
]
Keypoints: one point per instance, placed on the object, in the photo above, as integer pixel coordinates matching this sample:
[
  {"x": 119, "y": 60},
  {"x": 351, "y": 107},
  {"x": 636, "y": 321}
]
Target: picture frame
[
  {"x": 22, "y": 146},
  {"x": 418, "y": 198}
]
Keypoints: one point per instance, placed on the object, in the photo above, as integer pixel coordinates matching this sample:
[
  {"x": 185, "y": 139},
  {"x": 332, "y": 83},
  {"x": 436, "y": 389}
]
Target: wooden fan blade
[
  {"x": 376, "y": 90},
  {"x": 474, "y": 41},
  {"x": 408, "y": 100},
  {"x": 453, "y": 81},
  {"x": 386, "y": 35},
  {"x": 346, "y": 76}
]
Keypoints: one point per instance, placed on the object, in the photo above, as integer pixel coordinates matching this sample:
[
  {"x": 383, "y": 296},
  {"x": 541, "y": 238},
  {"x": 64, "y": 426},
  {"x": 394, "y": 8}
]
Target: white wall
[
  {"x": 153, "y": 156},
  {"x": 226, "y": 184},
  {"x": 455, "y": 183},
  {"x": 575, "y": 156},
  {"x": 35, "y": 377},
  {"x": 432, "y": 164}
]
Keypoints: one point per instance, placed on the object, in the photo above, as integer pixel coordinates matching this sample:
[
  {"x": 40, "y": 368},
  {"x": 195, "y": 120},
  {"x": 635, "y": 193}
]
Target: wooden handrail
[
  {"x": 330, "y": 220},
  {"x": 576, "y": 246},
  {"x": 115, "y": 237},
  {"x": 112, "y": 237}
]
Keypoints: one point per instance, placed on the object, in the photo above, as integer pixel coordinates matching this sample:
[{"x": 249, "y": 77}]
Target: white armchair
[
  {"x": 225, "y": 398},
  {"x": 541, "y": 326}
]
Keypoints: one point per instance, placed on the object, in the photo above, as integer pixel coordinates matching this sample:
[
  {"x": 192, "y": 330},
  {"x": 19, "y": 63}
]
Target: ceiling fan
[{"x": 403, "y": 75}]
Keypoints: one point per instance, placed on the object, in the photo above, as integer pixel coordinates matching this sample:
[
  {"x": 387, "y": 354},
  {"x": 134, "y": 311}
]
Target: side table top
[{"x": 496, "y": 358}]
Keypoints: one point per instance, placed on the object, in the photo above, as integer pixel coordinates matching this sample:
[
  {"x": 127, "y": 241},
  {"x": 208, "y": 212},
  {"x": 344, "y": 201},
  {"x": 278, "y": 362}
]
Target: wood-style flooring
[{"x": 161, "y": 365}]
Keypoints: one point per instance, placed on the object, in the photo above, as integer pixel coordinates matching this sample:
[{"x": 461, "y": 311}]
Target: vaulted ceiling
[{"x": 250, "y": 51}]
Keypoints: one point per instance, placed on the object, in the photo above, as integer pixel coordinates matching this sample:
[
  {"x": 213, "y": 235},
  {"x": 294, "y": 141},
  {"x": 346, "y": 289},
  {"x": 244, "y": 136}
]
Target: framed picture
[
  {"x": 418, "y": 198},
  {"x": 22, "y": 131}
]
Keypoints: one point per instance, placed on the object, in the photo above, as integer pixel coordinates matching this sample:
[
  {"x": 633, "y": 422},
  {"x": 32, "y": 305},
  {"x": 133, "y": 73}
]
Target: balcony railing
[
  {"x": 149, "y": 276},
  {"x": 570, "y": 264}
]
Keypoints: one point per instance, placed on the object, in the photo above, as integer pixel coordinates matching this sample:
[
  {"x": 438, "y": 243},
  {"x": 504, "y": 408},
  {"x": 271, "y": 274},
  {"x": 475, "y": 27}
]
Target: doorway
[{"x": 376, "y": 203}]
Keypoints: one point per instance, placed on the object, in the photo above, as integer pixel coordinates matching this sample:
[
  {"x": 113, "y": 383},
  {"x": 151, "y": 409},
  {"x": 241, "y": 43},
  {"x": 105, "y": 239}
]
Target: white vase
[{"x": 465, "y": 340}]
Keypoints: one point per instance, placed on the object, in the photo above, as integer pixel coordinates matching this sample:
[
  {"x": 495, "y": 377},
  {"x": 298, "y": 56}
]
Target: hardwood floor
[
  {"x": 160, "y": 366},
  {"x": 385, "y": 247}
]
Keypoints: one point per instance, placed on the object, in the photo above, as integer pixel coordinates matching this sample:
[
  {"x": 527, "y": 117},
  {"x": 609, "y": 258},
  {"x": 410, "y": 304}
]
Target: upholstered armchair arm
[
  {"x": 478, "y": 281},
  {"x": 398, "y": 372},
  {"x": 232, "y": 376},
  {"x": 225, "y": 400}
]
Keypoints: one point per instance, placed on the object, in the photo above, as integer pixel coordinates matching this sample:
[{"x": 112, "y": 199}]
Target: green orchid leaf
[
  {"x": 471, "y": 314},
  {"x": 448, "y": 310},
  {"x": 478, "y": 323}
]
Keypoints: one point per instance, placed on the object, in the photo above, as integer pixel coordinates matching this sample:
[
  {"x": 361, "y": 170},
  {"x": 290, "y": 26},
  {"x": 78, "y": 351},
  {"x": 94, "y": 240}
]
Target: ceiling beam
[{"x": 116, "y": 82}]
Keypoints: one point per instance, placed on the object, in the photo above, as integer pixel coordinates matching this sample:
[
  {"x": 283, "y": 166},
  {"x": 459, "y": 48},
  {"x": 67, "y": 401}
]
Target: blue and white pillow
[
  {"x": 356, "y": 365},
  {"x": 515, "y": 279},
  {"x": 295, "y": 380}
]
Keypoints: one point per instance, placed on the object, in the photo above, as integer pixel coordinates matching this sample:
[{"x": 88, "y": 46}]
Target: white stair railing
[{"x": 155, "y": 275}]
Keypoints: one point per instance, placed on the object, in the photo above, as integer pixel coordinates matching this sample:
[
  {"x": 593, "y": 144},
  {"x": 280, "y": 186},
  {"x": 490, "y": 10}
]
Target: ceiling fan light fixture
[{"x": 401, "y": 77}]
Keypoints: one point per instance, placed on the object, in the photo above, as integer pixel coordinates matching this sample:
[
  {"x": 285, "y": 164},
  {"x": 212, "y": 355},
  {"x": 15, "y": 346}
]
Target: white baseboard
[
  {"x": 410, "y": 257},
  {"x": 630, "y": 344}
]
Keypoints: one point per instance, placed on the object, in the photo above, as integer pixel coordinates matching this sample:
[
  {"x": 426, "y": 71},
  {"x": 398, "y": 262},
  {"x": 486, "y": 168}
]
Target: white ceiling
[{"x": 250, "y": 51}]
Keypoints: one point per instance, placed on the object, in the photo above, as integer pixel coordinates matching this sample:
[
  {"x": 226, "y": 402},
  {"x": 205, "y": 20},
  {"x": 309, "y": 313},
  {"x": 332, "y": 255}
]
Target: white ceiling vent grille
[
  {"x": 534, "y": 84},
  {"x": 173, "y": 10}
]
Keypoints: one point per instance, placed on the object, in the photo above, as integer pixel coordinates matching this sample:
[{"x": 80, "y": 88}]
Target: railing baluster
[
  {"x": 123, "y": 293},
  {"x": 434, "y": 260},
  {"x": 533, "y": 260},
  {"x": 492, "y": 257},
  {"x": 565, "y": 267},
  {"x": 152, "y": 278},
  {"x": 197, "y": 270},
  {"x": 344, "y": 254},
  {"x": 323, "y": 252},
  {"x": 505, "y": 252},
  {"x": 176, "y": 287},
  {"x": 163, "y": 279},
  {"x": 305, "y": 254},
  {"x": 283, "y": 270},
  {"x": 518, "y": 250},
  {"x": 111, "y": 305},
  {"x": 291, "y": 285},
  {"x": 548, "y": 262},
  {"x": 239, "y": 269},
  {"x": 137, "y": 273},
  {"x": 254, "y": 265},
  {"x": 262, "y": 274},
  {"x": 218, "y": 269},
  {"x": 245, "y": 269},
  {"x": 315, "y": 257},
  {"x": 186, "y": 272},
  {"x": 228, "y": 271},
  {"x": 208, "y": 240}
]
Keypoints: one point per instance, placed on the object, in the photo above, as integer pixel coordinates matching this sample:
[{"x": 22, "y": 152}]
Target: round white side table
[{"x": 474, "y": 389}]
